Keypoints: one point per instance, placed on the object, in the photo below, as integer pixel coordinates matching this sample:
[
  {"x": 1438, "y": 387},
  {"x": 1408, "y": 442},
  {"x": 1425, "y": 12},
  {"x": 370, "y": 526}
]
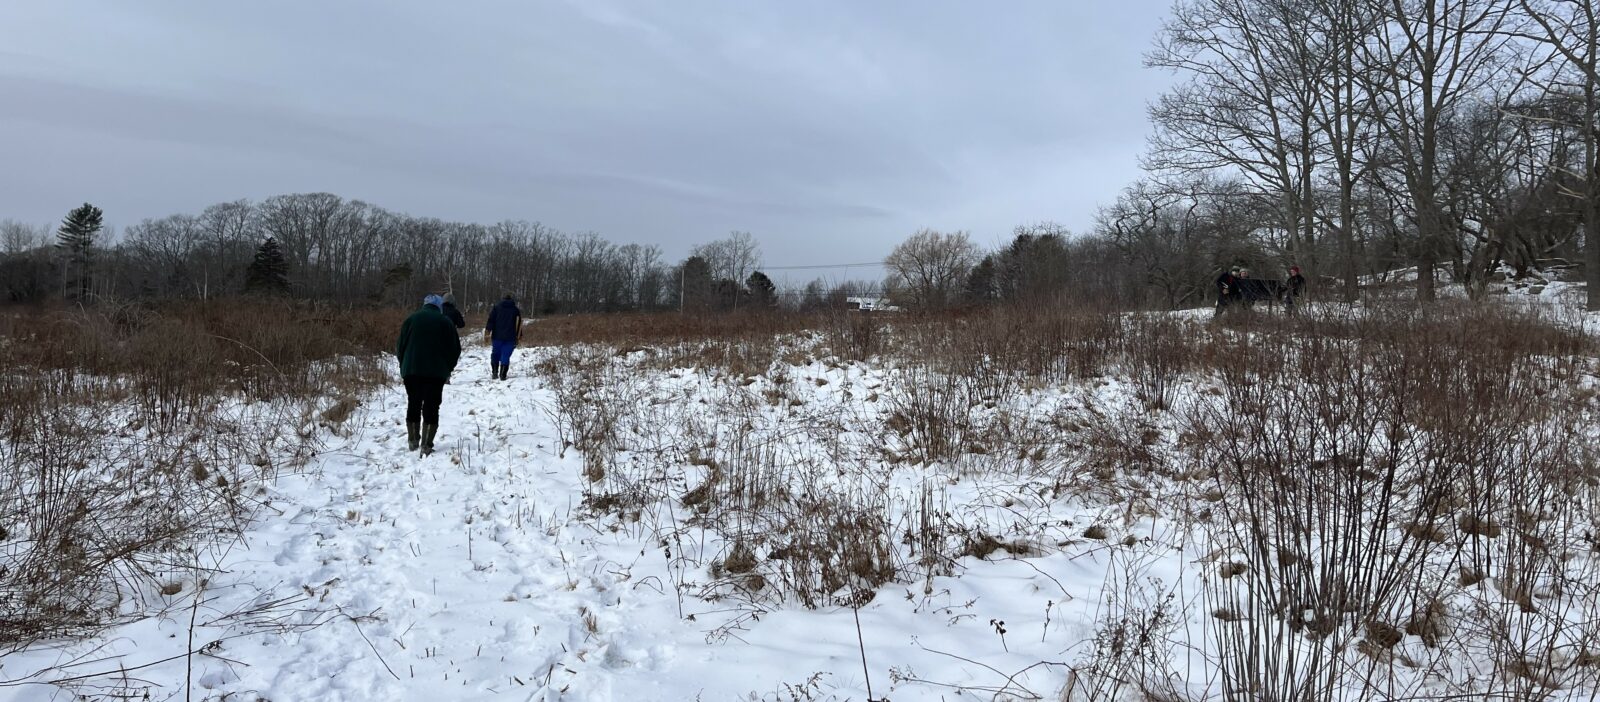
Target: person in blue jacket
[{"x": 504, "y": 330}]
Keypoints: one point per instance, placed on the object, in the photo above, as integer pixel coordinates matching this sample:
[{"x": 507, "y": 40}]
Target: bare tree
[
  {"x": 1176, "y": 236},
  {"x": 166, "y": 247},
  {"x": 1507, "y": 178},
  {"x": 1344, "y": 114},
  {"x": 642, "y": 277},
  {"x": 1250, "y": 104},
  {"x": 18, "y": 237},
  {"x": 1571, "y": 28},
  {"x": 930, "y": 269},
  {"x": 229, "y": 244},
  {"x": 732, "y": 258},
  {"x": 1429, "y": 58}
]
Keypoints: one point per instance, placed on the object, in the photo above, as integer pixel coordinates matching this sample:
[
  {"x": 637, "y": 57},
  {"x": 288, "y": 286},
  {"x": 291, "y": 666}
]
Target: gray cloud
[
  {"x": 134, "y": 115},
  {"x": 829, "y": 129}
]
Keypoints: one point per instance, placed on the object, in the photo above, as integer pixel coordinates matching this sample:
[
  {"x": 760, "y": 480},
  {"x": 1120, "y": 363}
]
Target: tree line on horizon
[{"x": 320, "y": 246}]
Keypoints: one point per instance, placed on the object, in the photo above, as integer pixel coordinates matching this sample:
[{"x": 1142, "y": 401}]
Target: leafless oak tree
[{"x": 929, "y": 270}]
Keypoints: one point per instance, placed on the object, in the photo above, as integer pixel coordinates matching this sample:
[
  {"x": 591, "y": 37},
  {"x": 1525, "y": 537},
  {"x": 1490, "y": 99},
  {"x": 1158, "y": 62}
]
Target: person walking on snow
[
  {"x": 504, "y": 330},
  {"x": 452, "y": 313},
  {"x": 428, "y": 349}
]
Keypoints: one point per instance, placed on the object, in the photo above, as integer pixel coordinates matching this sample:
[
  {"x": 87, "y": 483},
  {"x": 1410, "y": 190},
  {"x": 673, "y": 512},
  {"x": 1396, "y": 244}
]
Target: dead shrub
[
  {"x": 656, "y": 329},
  {"x": 1474, "y": 525},
  {"x": 1129, "y": 659},
  {"x": 1157, "y": 351},
  {"x": 839, "y": 551},
  {"x": 340, "y": 411},
  {"x": 1346, "y": 441}
]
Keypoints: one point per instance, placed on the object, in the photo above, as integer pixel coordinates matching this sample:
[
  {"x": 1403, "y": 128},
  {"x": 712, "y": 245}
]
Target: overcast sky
[{"x": 829, "y": 129}]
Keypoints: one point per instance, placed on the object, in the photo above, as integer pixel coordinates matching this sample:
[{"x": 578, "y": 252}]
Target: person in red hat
[
  {"x": 1294, "y": 287},
  {"x": 1227, "y": 290}
]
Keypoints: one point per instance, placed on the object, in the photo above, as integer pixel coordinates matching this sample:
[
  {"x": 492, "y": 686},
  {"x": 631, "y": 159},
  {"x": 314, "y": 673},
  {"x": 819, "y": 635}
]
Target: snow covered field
[
  {"x": 477, "y": 574},
  {"x": 620, "y": 524}
]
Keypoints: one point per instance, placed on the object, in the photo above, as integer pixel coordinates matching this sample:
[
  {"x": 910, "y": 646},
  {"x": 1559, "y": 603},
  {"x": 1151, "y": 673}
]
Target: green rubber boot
[
  {"x": 413, "y": 435},
  {"x": 428, "y": 432}
]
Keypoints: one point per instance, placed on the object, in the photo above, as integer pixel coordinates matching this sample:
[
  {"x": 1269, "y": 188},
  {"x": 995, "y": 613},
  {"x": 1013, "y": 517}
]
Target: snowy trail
[{"x": 465, "y": 571}]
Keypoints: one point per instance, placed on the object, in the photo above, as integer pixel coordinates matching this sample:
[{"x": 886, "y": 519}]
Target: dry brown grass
[
  {"x": 1351, "y": 463},
  {"x": 635, "y": 330},
  {"x": 1388, "y": 453},
  {"x": 133, "y": 437}
]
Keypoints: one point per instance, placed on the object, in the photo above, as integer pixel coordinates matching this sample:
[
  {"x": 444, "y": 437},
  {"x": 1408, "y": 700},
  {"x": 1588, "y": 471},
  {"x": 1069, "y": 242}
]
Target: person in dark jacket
[
  {"x": 428, "y": 349},
  {"x": 1246, "y": 290},
  {"x": 504, "y": 329},
  {"x": 452, "y": 313},
  {"x": 1293, "y": 288},
  {"x": 1227, "y": 290}
]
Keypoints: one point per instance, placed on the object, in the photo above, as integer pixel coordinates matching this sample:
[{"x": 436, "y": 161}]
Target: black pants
[
  {"x": 1226, "y": 301},
  {"x": 423, "y": 396}
]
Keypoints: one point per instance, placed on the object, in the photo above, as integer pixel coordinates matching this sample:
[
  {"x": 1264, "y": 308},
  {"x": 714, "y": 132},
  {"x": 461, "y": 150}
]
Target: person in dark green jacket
[{"x": 428, "y": 349}]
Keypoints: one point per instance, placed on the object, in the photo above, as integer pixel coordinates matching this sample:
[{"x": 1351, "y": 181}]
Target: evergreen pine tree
[
  {"x": 981, "y": 283},
  {"x": 725, "y": 295},
  {"x": 75, "y": 238},
  {"x": 763, "y": 294},
  {"x": 695, "y": 285},
  {"x": 396, "y": 284},
  {"x": 268, "y": 274}
]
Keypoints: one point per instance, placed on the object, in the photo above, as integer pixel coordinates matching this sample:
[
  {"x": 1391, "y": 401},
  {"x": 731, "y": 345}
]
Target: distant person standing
[
  {"x": 1227, "y": 289},
  {"x": 1293, "y": 288},
  {"x": 1246, "y": 291},
  {"x": 428, "y": 348},
  {"x": 504, "y": 330},
  {"x": 452, "y": 313}
]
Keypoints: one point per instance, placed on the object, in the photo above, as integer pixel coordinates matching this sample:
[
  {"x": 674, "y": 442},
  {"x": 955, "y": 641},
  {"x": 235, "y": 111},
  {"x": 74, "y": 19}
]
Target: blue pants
[{"x": 500, "y": 353}]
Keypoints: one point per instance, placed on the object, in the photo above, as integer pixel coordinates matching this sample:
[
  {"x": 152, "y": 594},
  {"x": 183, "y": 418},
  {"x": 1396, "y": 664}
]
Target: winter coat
[
  {"x": 1253, "y": 290},
  {"x": 428, "y": 346},
  {"x": 1227, "y": 286},
  {"x": 454, "y": 315},
  {"x": 505, "y": 322},
  {"x": 1297, "y": 285}
]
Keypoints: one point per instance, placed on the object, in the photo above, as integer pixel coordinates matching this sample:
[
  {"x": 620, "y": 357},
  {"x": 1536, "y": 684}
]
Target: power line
[
  {"x": 833, "y": 291},
  {"x": 825, "y": 265}
]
